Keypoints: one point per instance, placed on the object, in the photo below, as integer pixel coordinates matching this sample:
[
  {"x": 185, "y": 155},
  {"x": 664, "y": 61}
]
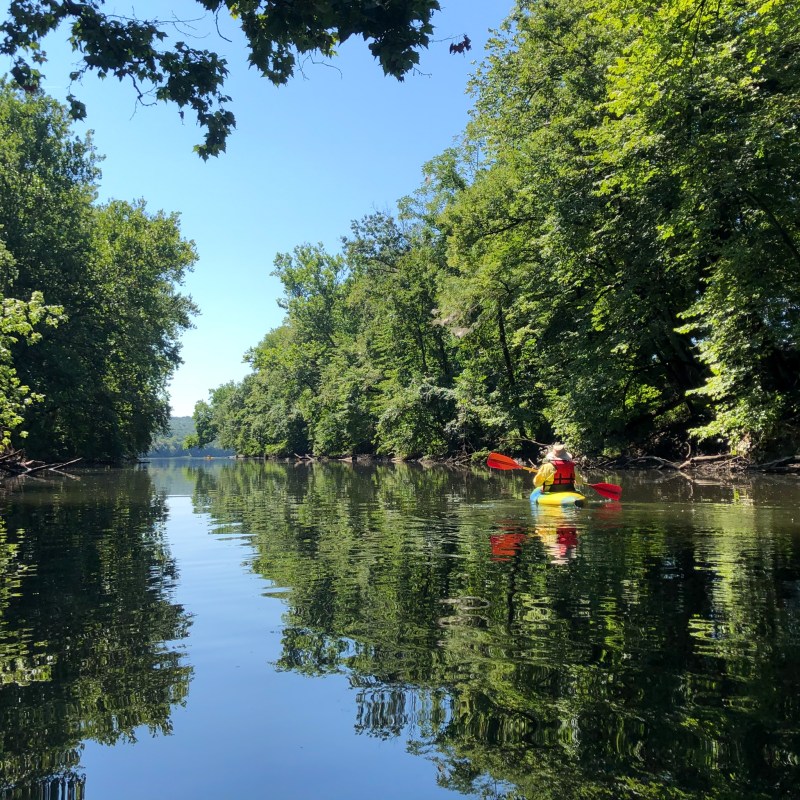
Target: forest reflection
[
  {"x": 88, "y": 630},
  {"x": 635, "y": 649},
  {"x": 618, "y": 651}
]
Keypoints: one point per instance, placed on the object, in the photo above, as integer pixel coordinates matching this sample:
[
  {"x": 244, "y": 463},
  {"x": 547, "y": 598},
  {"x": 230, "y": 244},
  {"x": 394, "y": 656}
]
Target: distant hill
[{"x": 170, "y": 445}]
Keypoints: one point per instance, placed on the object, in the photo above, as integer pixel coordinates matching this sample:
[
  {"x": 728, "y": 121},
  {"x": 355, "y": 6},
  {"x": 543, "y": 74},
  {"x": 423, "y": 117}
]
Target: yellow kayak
[{"x": 541, "y": 498}]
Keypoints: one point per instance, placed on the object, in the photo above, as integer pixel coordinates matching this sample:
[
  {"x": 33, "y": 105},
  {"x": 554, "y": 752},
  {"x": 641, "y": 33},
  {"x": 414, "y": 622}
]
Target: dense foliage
[
  {"x": 161, "y": 65},
  {"x": 611, "y": 255},
  {"x": 110, "y": 272}
]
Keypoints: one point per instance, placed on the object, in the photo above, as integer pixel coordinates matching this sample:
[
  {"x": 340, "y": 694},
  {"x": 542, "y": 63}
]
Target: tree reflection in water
[
  {"x": 613, "y": 654},
  {"x": 85, "y": 615}
]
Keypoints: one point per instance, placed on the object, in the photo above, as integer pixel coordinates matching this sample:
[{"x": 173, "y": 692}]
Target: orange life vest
[{"x": 564, "y": 478}]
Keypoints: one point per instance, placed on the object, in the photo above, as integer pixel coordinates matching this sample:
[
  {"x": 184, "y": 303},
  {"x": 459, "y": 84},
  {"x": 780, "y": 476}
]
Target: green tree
[
  {"x": 114, "y": 269},
  {"x": 638, "y": 176},
  {"x": 408, "y": 359},
  {"x": 528, "y": 286}
]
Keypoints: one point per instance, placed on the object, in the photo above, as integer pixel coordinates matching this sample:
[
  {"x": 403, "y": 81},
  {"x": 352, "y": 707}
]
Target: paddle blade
[
  {"x": 499, "y": 461},
  {"x": 608, "y": 490}
]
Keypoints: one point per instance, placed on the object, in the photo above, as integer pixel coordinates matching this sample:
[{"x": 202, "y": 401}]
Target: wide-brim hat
[{"x": 559, "y": 452}]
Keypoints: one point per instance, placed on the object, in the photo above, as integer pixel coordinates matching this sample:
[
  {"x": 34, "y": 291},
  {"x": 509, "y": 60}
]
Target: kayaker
[{"x": 557, "y": 473}]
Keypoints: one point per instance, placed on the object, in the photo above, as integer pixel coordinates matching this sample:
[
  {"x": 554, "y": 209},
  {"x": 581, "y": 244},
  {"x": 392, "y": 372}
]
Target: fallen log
[
  {"x": 662, "y": 462},
  {"x": 690, "y": 462},
  {"x": 53, "y": 467},
  {"x": 778, "y": 462},
  {"x": 712, "y": 463},
  {"x": 640, "y": 461},
  {"x": 12, "y": 456},
  {"x": 14, "y": 463}
]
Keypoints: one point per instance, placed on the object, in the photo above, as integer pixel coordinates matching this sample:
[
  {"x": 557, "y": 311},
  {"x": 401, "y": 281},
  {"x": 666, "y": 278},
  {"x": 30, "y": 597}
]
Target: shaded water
[{"x": 230, "y": 630}]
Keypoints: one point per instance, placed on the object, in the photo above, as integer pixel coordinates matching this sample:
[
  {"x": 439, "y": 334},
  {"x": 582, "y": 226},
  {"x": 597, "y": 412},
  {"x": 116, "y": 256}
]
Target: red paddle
[{"x": 499, "y": 461}]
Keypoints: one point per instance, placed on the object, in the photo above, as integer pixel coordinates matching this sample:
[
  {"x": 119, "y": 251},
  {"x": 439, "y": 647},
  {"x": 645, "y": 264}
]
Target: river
[{"x": 227, "y": 629}]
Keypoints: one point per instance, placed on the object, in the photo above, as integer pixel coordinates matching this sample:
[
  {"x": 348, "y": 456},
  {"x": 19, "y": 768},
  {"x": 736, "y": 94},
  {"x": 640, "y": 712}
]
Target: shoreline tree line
[{"x": 610, "y": 255}]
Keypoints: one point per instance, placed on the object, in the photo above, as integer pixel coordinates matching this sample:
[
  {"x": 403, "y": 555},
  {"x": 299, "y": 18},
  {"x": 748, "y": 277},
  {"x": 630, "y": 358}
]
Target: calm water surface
[{"x": 247, "y": 630}]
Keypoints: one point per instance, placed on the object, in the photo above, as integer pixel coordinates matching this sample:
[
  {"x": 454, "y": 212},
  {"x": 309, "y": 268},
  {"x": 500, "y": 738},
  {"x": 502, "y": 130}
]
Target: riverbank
[
  {"x": 726, "y": 462},
  {"x": 703, "y": 464},
  {"x": 14, "y": 463}
]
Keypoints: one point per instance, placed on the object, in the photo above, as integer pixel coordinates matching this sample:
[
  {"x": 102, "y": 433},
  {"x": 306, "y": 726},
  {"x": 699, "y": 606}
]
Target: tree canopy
[
  {"x": 609, "y": 255},
  {"x": 154, "y": 56}
]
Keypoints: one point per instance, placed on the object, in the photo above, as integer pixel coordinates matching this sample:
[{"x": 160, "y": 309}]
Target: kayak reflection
[{"x": 556, "y": 527}]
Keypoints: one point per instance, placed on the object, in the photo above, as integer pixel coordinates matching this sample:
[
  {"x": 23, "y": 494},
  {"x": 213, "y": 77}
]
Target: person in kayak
[{"x": 557, "y": 473}]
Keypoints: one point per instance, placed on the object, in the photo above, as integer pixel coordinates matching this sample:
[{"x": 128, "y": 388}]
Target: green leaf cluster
[
  {"x": 148, "y": 54},
  {"x": 18, "y": 322}
]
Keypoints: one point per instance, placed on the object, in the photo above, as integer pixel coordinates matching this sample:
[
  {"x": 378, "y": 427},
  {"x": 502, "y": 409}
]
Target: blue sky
[{"x": 336, "y": 143}]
